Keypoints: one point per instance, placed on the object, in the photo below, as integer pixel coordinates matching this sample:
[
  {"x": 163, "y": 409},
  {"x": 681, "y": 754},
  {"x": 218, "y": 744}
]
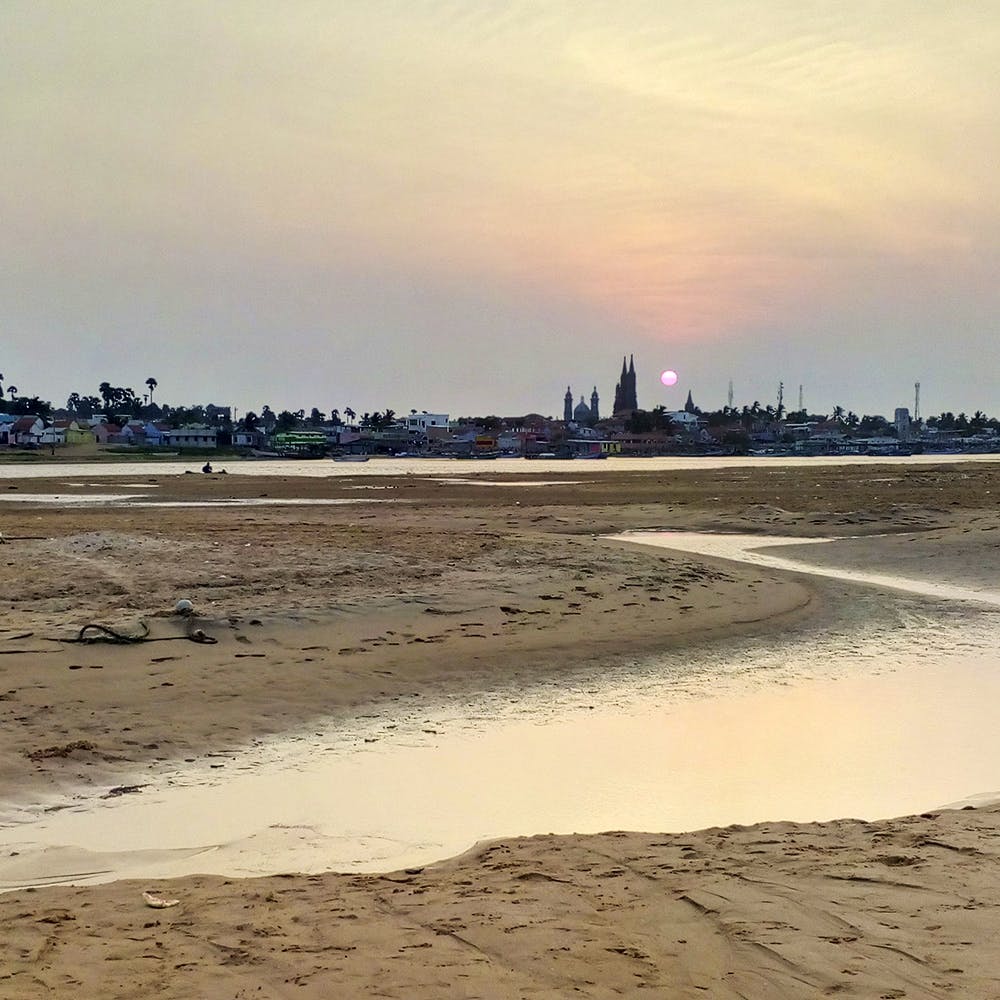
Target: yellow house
[{"x": 75, "y": 434}]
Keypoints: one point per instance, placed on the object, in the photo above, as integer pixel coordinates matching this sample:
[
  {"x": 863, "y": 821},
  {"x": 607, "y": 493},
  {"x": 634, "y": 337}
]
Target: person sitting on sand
[{"x": 207, "y": 467}]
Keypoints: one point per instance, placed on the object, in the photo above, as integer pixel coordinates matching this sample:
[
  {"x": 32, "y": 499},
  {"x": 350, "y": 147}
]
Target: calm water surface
[{"x": 457, "y": 468}]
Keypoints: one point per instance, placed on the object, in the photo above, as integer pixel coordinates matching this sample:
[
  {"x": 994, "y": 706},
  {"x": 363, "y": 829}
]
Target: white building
[
  {"x": 417, "y": 423},
  {"x": 684, "y": 420},
  {"x": 193, "y": 436}
]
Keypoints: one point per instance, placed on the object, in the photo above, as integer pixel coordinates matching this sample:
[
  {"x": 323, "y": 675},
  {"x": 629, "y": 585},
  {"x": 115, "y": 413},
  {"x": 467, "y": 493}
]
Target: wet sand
[
  {"x": 320, "y": 611},
  {"x": 903, "y": 908}
]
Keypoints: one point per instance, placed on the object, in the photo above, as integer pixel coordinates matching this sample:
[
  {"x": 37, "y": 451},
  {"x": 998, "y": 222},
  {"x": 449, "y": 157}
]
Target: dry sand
[{"x": 321, "y": 610}]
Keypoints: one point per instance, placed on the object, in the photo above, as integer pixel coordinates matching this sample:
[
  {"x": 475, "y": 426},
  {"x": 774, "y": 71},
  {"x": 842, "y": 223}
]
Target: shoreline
[
  {"x": 323, "y": 611},
  {"x": 897, "y": 908},
  {"x": 338, "y": 665},
  {"x": 864, "y": 908}
]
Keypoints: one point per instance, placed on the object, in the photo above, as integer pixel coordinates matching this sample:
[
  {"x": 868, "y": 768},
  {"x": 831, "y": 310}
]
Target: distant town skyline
[
  {"x": 470, "y": 206},
  {"x": 623, "y": 397}
]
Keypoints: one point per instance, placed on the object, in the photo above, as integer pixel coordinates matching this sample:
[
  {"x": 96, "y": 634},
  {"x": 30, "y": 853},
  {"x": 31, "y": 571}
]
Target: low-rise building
[
  {"x": 192, "y": 436},
  {"x": 26, "y": 432},
  {"x": 418, "y": 423},
  {"x": 7, "y": 421},
  {"x": 107, "y": 433},
  {"x": 74, "y": 433}
]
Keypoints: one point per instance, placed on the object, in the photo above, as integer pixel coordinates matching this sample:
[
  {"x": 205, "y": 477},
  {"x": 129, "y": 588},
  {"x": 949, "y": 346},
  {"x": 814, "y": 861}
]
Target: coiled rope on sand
[{"x": 97, "y": 632}]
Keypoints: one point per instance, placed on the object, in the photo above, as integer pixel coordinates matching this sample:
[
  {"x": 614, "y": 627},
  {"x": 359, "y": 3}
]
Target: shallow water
[
  {"x": 882, "y": 708},
  {"x": 754, "y": 549},
  {"x": 137, "y": 500},
  {"x": 459, "y": 468}
]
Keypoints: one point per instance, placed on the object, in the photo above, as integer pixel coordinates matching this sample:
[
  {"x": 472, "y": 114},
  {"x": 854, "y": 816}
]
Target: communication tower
[
  {"x": 801, "y": 407},
  {"x": 781, "y": 398},
  {"x": 916, "y": 401},
  {"x": 730, "y": 394}
]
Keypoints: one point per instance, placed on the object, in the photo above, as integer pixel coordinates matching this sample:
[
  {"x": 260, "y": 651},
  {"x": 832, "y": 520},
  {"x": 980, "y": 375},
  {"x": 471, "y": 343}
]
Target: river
[{"x": 455, "y": 467}]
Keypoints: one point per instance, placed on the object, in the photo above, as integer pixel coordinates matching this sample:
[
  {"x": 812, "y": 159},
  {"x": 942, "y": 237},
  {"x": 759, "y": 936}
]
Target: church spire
[{"x": 568, "y": 405}]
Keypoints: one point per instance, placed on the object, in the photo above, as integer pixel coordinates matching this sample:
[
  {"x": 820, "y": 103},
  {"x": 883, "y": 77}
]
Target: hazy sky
[{"x": 465, "y": 205}]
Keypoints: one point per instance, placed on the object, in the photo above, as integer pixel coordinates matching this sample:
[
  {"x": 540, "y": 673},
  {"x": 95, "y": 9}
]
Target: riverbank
[
  {"x": 896, "y": 909},
  {"x": 474, "y": 584},
  {"x": 442, "y": 585}
]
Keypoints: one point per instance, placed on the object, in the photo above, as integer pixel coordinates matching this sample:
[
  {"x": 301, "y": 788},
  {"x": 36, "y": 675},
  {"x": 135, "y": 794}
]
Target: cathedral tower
[
  {"x": 625, "y": 394},
  {"x": 568, "y": 406}
]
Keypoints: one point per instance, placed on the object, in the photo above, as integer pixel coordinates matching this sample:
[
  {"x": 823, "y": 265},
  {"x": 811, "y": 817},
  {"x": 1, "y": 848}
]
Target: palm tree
[
  {"x": 350, "y": 414},
  {"x": 152, "y": 383},
  {"x": 335, "y": 417},
  {"x": 12, "y": 391},
  {"x": 838, "y": 414}
]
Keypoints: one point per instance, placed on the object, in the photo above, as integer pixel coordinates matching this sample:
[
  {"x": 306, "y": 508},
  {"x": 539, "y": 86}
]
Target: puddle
[
  {"x": 500, "y": 482},
  {"x": 69, "y": 499},
  {"x": 137, "y": 500}
]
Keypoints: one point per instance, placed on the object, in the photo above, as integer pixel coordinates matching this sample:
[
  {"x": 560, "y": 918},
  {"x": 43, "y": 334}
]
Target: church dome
[{"x": 581, "y": 413}]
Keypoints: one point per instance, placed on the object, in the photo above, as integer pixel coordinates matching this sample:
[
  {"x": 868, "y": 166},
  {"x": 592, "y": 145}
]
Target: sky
[{"x": 464, "y": 206}]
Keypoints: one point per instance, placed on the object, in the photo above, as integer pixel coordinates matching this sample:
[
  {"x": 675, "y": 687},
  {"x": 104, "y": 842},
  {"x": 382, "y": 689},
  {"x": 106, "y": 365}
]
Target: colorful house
[
  {"x": 73, "y": 433},
  {"x": 26, "y": 432},
  {"x": 107, "y": 433}
]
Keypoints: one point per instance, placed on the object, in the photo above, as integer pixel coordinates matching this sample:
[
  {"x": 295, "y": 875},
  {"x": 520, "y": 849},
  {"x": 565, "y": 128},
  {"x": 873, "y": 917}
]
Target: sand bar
[{"x": 779, "y": 910}]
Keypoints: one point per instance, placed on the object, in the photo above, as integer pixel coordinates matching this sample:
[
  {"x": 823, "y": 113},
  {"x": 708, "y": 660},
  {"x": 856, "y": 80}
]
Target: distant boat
[{"x": 350, "y": 458}]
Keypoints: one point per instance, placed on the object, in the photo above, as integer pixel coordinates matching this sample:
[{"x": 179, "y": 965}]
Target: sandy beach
[{"x": 322, "y": 609}]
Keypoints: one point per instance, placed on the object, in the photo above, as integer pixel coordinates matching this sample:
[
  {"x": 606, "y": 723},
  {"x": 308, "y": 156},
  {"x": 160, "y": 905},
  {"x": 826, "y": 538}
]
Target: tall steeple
[
  {"x": 594, "y": 401},
  {"x": 631, "y": 400},
  {"x": 625, "y": 395},
  {"x": 568, "y": 405}
]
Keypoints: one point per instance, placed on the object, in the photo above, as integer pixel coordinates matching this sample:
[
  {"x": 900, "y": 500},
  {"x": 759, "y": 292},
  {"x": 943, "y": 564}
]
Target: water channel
[
  {"x": 461, "y": 468},
  {"x": 883, "y": 705}
]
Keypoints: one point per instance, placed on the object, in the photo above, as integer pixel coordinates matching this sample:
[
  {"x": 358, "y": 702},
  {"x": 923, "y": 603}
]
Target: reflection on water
[
  {"x": 882, "y": 706},
  {"x": 462, "y": 468}
]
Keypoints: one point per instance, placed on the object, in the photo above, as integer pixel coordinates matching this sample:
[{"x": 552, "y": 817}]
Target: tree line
[{"x": 122, "y": 402}]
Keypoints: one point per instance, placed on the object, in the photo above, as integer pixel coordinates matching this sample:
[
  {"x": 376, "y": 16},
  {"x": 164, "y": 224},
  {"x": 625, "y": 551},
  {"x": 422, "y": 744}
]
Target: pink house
[{"x": 107, "y": 433}]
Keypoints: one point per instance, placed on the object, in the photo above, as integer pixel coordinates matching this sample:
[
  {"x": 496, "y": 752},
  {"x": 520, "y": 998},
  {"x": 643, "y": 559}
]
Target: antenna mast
[
  {"x": 781, "y": 398},
  {"x": 916, "y": 401},
  {"x": 730, "y": 394},
  {"x": 801, "y": 407}
]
